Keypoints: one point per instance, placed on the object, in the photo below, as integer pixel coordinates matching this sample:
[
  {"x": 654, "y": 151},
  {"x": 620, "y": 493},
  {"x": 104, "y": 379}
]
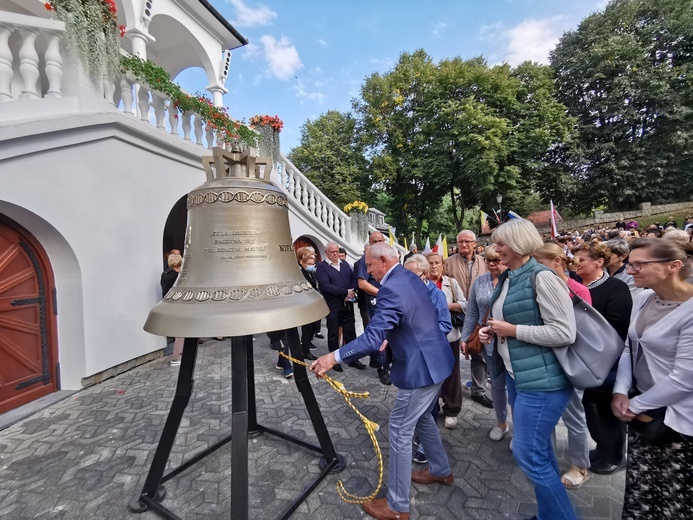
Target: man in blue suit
[
  {"x": 405, "y": 316},
  {"x": 337, "y": 283}
]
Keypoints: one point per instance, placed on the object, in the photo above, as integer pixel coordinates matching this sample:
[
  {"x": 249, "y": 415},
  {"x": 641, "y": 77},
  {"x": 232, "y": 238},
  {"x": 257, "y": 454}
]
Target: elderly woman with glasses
[
  {"x": 532, "y": 313},
  {"x": 656, "y": 371},
  {"x": 479, "y": 304}
]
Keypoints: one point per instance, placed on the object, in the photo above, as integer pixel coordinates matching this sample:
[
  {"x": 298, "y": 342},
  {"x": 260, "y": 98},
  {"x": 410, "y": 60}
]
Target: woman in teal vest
[{"x": 531, "y": 313}]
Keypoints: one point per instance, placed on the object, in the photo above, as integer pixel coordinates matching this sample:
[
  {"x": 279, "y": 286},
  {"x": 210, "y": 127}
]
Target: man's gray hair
[
  {"x": 469, "y": 231},
  {"x": 382, "y": 249},
  {"x": 618, "y": 247},
  {"x": 420, "y": 261}
]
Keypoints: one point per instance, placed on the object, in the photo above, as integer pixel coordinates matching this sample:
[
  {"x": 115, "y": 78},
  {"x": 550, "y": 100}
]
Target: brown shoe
[
  {"x": 424, "y": 477},
  {"x": 379, "y": 510}
]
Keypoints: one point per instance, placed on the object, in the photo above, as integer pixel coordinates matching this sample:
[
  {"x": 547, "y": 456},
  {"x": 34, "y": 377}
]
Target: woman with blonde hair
[
  {"x": 479, "y": 303},
  {"x": 553, "y": 256},
  {"x": 532, "y": 313},
  {"x": 656, "y": 370},
  {"x": 611, "y": 298}
]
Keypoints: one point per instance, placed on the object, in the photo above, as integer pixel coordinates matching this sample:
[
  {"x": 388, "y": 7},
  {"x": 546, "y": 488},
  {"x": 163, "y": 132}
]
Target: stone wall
[{"x": 600, "y": 218}]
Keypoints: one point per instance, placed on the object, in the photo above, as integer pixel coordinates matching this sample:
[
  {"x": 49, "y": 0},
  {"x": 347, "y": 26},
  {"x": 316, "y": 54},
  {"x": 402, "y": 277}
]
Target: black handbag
[
  {"x": 653, "y": 431},
  {"x": 457, "y": 319}
]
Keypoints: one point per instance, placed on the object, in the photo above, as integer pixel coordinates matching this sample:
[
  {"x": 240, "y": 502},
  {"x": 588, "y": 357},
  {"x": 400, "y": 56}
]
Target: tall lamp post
[{"x": 499, "y": 199}]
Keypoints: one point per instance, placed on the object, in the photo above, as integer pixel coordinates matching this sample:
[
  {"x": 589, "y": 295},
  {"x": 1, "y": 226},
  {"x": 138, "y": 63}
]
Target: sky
[{"x": 306, "y": 57}]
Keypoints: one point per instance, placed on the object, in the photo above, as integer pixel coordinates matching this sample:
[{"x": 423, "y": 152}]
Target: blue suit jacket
[
  {"x": 405, "y": 315},
  {"x": 334, "y": 284}
]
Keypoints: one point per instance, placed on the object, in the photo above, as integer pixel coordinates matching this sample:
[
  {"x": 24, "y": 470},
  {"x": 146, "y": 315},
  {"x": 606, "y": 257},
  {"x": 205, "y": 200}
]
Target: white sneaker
[
  {"x": 450, "y": 422},
  {"x": 175, "y": 363},
  {"x": 497, "y": 434}
]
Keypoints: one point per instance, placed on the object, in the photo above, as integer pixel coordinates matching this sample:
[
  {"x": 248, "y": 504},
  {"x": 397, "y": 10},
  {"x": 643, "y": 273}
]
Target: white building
[{"x": 93, "y": 182}]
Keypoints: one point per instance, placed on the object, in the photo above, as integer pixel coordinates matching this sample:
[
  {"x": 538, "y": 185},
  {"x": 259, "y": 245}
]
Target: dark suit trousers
[
  {"x": 343, "y": 317},
  {"x": 607, "y": 431},
  {"x": 307, "y": 332},
  {"x": 451, "y": 391}
]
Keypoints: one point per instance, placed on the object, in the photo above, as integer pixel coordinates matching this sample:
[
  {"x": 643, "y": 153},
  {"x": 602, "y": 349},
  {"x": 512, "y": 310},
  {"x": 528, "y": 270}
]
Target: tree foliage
[
  {"x": 331, "y": 156},
  {"x": 625, "y": 74}
]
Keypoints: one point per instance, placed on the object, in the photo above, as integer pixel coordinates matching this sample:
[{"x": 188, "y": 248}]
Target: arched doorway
[
  {"x": 28, "y": 346},
  {"x": 304, "y": 241}
]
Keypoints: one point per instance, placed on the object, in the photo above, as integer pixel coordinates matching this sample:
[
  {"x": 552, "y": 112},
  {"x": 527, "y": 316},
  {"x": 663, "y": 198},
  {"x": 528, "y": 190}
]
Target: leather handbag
[
  {"x": 457, "y": 319},
  {"x": 474, "y": 344},
  {"x": 650, "y": 425},
  {"x": 596, "y": 348}
]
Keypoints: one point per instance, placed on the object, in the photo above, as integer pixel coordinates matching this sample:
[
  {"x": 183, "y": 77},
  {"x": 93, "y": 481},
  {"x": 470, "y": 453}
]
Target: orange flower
[{"x": 48, "y": 6}]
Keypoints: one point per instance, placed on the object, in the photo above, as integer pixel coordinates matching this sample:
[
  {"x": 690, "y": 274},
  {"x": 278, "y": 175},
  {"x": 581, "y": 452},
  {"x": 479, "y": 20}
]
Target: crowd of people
[{"x": 505, "y": 306}]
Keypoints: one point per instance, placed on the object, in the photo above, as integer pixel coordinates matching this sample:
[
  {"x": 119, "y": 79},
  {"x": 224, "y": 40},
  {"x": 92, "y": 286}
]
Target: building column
[{"x": 218, "y": 92}]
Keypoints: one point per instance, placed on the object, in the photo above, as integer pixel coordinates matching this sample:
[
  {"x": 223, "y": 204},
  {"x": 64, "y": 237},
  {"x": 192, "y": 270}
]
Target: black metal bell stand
[{"x": 243, "y": 425}]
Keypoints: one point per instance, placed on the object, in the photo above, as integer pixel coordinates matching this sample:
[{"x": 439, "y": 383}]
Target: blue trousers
[
  {"x": 535, "y": 415},
  {"x": 412, "y": 413}
]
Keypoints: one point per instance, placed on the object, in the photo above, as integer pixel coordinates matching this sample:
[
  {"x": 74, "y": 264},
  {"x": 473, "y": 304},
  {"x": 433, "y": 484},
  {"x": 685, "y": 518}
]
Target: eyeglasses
[
  {"x": 637, "y": 266},
  {"x": 466, "y": 241},
  {"x": 335, "y": 251},
  {"x": 494, "y": 261}
]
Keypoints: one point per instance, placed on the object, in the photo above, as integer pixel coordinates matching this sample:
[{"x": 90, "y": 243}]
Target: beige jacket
[{"x": 456, "y": 267}]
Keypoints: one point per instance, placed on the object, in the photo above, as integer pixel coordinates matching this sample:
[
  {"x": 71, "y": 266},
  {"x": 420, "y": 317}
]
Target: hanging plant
[
  {"x": 215, "y": 118},
  {"x": 92, "y": 34},
  {"x": 357, "y": 205},
  {"x": 269, "y": 128}
]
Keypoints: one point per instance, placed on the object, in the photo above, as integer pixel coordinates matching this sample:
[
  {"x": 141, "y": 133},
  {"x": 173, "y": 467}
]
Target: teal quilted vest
[{"x": 536, "y": 368}]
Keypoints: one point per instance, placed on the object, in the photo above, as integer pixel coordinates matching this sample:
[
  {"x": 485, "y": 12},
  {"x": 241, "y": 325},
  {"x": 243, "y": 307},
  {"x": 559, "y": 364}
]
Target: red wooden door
[
  {"x": 27, "y": 322},
  {"x": 305, "y": 242}
]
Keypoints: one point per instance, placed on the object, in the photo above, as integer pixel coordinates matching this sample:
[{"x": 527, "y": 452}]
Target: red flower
[
  {"x": 48, "y": 6},
  {"x": 121, "y": 28}
]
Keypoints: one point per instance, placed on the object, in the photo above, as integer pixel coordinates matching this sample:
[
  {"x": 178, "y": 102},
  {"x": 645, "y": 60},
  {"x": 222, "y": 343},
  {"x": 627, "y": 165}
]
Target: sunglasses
[{"x": 493, "y": 262}]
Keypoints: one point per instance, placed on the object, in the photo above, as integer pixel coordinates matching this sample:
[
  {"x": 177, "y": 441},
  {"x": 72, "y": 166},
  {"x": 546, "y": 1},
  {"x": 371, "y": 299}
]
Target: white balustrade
[
  {"x": 143, "y": 102},
  {"x": 209, "y": 134},
  {"x": 28, "y": 64},
  {"x": 173, "y": 118},
  {"x": 198, "y": 129},
  {"x": 126, "y": 95},
  {"x": 6, "y": 60},
  {"x": 187, "y": 116},
  {"x": 159, "y": 103},
  {"x": 54, "y": 67}
]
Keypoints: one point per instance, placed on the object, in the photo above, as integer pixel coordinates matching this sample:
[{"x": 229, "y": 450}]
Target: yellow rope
[{"x": 371, "y": 428}]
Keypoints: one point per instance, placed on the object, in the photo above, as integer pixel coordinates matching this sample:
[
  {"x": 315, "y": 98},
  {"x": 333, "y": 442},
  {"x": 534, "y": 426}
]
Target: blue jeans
[
  {"x": 412, "y": 412},
  {"x": 535, "y": 415}
]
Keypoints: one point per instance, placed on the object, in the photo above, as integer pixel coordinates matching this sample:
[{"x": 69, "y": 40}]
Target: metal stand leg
[
  {"x": 239, "y": 428},
  {"x": 303, "y": 385},
  {"x": 153, "y": 491}
]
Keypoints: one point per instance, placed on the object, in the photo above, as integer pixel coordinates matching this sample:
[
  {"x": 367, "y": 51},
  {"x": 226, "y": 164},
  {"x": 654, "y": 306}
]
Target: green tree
[
  {"x": 391, "y": 115},
  {"x": 625, "y": 74},
  {"x": 331, "y": 156}
]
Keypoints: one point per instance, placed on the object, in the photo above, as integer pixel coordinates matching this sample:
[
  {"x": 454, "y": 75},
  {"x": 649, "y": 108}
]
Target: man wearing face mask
[{"x": 307, "y": 262}]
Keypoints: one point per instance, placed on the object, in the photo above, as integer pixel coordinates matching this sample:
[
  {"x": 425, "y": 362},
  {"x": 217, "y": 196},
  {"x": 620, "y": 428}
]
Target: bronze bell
[{"x": 239, "y": 275}]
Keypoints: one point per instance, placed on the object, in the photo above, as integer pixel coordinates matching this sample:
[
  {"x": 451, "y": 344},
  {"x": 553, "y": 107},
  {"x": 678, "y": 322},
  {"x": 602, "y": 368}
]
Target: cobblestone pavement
[{"x": 87, "y": 456}]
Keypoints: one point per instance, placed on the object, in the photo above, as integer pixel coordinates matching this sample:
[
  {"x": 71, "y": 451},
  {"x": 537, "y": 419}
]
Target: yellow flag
[
  {"x": 405, "y": 244},
  {"x": 445, "y": 247},
  {"x": 392, "y": 238}
]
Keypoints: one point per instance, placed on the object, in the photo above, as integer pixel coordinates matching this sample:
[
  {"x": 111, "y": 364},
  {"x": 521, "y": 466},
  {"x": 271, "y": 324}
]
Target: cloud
[
  {"x": 491, "y": 32},
  {"x": 308, "y": 90},
  {"x": 281, "y": 57},
  {"x": 252, "y": 17},
  {"x": 385, "y": 63},
  {"x": 532, "y": 40},
  {"x": 322, "y": 42},
  {"x": 438, "y": 28}
]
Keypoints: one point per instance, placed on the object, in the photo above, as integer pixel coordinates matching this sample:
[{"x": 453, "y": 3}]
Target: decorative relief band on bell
[
  {"x": 236, "y": 294},
  {"x": 242, "y": 196}
]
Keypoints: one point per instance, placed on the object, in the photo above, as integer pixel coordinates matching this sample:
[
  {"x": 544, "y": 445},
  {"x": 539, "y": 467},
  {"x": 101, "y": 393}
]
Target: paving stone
[{"x": 87, "y": 456}]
